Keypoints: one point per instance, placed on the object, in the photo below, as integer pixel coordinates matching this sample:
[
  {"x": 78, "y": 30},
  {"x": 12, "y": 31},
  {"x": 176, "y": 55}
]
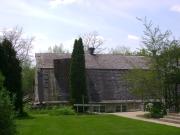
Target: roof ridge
[{"x": 89, "y": 54}]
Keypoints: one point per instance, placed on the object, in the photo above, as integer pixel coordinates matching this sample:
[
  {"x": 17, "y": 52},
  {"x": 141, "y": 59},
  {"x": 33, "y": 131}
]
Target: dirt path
[{"x": 135, "y": 115}]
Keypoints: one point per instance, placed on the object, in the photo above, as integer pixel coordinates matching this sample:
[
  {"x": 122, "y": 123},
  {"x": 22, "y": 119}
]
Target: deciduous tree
[
  {"x": 164, "y": 55},
  {"x": 22, "y": 44},
  {"x": 93, "y": 40},
  {"x": 57, "y": 49}
]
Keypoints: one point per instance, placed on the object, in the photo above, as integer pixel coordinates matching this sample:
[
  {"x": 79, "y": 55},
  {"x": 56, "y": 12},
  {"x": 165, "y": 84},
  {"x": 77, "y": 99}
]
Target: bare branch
[
  {"x": 93, "y": 40},
  {"x": 57, "y": 49},
  {"x": 154, "y": 39},
  {"x": 22, "y": 45},
  {"x": 121, "y": 50}
]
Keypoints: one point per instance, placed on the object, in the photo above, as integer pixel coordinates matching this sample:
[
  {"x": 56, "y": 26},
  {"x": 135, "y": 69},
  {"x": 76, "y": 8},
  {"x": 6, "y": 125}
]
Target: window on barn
[
  {"x": 46, "y": 80},
  {"x": 118, "y": 108},
  {"x": 96, "y": 109},
  {"x": 102, "y": 109},
  {"x": 124, "y": 108}
]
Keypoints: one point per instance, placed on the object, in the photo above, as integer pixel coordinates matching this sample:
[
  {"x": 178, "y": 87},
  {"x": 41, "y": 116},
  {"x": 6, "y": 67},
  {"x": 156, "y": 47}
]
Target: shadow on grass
[{"x": 24, "y": 116}]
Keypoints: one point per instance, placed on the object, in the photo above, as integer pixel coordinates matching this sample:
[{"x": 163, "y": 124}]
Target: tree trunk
[{"x": 176, "y": 98}]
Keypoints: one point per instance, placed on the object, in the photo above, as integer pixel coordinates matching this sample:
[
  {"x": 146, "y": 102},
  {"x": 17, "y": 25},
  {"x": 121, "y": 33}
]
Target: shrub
[
  {"x": 156, "y": 109},
  {"x": 7, "y": 125},
  {"x": 149, "y": 107},
  {"x": 62, "y": 111}
]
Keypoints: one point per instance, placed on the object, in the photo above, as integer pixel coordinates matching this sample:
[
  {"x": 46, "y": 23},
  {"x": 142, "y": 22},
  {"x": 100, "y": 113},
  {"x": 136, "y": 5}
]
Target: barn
[{"x": 105, "y": 74}]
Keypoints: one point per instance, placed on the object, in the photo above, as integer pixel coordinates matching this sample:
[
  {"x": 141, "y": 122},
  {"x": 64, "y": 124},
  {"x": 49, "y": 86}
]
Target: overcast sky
[{"x": 61, "y": 21}]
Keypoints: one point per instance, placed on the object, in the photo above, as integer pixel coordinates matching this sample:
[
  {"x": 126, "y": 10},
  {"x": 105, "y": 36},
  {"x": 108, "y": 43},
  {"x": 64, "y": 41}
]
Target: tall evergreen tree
[
  {"x": 78, "y": 75},
  {"x": 11, "y": 70},
  {"x": 7, "y": 123}
]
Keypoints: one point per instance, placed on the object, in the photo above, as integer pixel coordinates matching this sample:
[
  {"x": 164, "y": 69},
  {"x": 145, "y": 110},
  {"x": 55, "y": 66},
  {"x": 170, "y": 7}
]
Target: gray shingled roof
[{"x": 98, "y": 61}]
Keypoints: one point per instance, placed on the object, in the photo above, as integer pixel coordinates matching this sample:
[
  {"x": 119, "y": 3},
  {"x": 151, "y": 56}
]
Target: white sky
[{"x": 61, "y": 21}]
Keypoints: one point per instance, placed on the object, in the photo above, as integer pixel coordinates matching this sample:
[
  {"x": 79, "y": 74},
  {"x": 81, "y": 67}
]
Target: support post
[
  {"x": 121, "y": 107},
  {"x": 83, "y": 102}
]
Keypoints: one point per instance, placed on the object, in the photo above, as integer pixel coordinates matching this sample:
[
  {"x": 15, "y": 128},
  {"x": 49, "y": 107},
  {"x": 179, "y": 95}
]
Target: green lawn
[{"x": 44, "y": 124}]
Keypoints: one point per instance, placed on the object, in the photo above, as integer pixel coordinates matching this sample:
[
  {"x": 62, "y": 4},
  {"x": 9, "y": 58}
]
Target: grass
[{"x": 44, "y": 124}]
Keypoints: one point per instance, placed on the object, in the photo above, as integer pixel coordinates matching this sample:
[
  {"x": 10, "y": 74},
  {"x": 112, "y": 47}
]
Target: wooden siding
[
  {"x": 107, "y": 85},
  {"x": 61, "y": 71},
  {"x": 47, "y": 89},
  {"x": 102, "y": 85}
]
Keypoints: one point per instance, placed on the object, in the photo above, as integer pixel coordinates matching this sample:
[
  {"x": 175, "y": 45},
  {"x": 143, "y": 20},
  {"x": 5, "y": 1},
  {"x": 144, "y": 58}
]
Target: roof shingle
[{"x": 98, "y": 61}]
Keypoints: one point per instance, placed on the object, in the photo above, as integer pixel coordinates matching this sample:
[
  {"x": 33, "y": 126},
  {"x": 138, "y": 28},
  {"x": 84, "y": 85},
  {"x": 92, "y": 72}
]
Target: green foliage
[
  {"x": 142, "y": 52},
  {"x": 168, "y": 62},
  {"x": 125, "y": 51},
  {"x": 57, "y": 49},
  {"x": 77, "y": 74},
  {"x": 62, "y": 111},
  {"x": 156, "y": 109},
  {"x": 51, "y": 110},
  {"x": 39, "y": 111},
  {"x": 28, "y": 75},
  {"x": 163, "y": 77},
  {"x": 11, "y": 70},
  {"x": 7, "y": 124},
  {"x": 122, "y": 50},
  {"x": 145, "y": 84}
]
